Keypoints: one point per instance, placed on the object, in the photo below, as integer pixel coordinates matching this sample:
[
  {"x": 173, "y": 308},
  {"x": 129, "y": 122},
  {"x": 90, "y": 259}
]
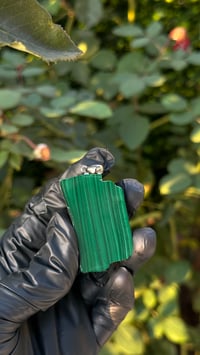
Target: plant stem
[{"x": 159, "y": 122}]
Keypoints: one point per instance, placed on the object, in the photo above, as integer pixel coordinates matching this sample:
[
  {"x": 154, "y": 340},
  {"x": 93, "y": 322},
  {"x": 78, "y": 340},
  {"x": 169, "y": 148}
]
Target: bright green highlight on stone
[{"x": 99, "y": 215}]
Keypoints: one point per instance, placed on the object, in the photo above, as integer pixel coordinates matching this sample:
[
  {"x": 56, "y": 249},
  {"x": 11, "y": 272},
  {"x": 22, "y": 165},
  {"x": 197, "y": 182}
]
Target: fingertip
[
  {"x": 133, "y": 192},
  {"x": 144, "y": 241}
]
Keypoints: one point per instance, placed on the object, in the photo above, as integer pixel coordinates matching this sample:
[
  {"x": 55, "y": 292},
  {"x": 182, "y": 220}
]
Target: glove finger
[
  {"x": 133, "y": 193},
  {"x": 144, "y": 241},
  {"x": 95, "y": 156},
  {"x": 112, "y": 303}
]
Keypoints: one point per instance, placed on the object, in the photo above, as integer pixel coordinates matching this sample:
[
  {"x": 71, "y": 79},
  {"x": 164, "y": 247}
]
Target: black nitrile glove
[{"x": 47, "y": 306}]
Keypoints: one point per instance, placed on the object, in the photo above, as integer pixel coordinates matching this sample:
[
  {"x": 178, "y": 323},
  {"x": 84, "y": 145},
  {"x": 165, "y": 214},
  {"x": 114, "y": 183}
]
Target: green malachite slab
[{"x": 99, "y": 215}]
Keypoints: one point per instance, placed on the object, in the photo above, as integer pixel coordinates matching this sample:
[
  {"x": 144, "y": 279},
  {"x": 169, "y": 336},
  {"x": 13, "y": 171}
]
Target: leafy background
[{"x": 133, "y": 93}]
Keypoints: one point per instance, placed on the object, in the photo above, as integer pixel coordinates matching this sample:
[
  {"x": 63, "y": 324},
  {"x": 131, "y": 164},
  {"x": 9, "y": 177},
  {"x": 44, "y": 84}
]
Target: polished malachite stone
[{"x": 99, "y": 216}]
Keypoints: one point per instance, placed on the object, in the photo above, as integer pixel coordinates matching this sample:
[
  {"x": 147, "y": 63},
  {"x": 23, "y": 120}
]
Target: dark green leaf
[
  {"x": 7, "y": 129},
  {"x": 132, "y": 62},
  {"x": 32, "y": 100},
  {"x": 61, "y": 103},
  {"x": 80, "y": 73},
  {"x": 128, "y": 30},
  {"x": 140, "y": 42},
  {"x": 154, "y": 29},
  {"x": 134, "y": 131},
  {"x": 9, "y": 98},
  {"x": 89, "y": 11},
  {"x": 177, "y": 272},
  {"x": 46, "y": 90},
  {"x": 178, "y": 64},
  {"x": 15, "y": 161},
  {"x": 33, "y": 71},
  {"x": 103, "y": 85},
  {"x": 132, "y": 86},
  {"x": 22, "y": 119},
  {"x": 3, "y": 157},
  {"x": 152, "y": 108},
  {"x": 36, "y": 34},
  {"x": 195, "y": 106},
  {"x": 104, "y": 60},
  {"x": 194, "y": 58},
  {"x": 182, "y": 118}
]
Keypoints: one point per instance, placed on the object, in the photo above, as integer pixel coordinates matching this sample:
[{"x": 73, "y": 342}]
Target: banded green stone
[{"x": 98, "y": 212}]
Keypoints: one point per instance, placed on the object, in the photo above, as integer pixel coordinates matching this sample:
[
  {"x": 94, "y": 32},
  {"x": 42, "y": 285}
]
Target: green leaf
[
  {"x": 195, "y": 134},
  {"x": 174, "y": 183},
  {"x": 178, "y": 165},
  {"x": 168, "y": 293},
  {"x": 33, "y": 71},
  {"x": 168, "y": 308},
  {"x": 195, "y": 106},
  {"x": 9, "y": 98},
  {"x": 22, "y": 120},
  {"x": 140, "y": 42},
  {"x": 161, "y": 346},
  {"x": 102, "y": 85},
  {"x": 197, "y": 181},
  {"x": 129, "y": 340},
  {"x": 15, "y": 161},
  {"x": 61, "y": 155},
  {"x": 134, "y": 130},
  {"x": 3, "y": 157},
  {"x": 152, "y": 108},
  {"x": 182, "y": 118},
  {"x": 194, "y": 58},
  {"x": 36, "y": 34},
  {"x": 128, "y": 30},
  {"x": 174, "y": 102},
  {"x": 7, "y": 129},
  {"x": 149, "y": 298},
  {"x": 32, "y": 100},
  {"x": 177, "y": 272},
  {"x": 155, "y": 79},
  {"x": 132, "y": 86},
  {"x": 156, "y": 327},
  {"x": 46, "y": 90},
  {"x": 89, "y": 11},
  {"x": 63, "y": 102},
  {"x": 178, "y": 64},
  {"x": 154, "y": 29},
  {"x": 52, "y": 112},
  {"x": 176, "y": 330},
  {"x": 104, "y": 60},
  {"x": 95, "y": 109},
  {"x": 13, "y": 58},
  {"x": 132, "y": 62},
  {"x": 80, "y": 73}
]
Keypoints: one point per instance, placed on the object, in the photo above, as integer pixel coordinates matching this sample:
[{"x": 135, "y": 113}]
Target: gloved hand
[{"x": 47, "y": 306}]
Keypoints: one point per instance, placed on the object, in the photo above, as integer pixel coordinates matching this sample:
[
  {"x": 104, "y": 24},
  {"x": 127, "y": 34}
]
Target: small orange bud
[
  {"x": 178, "y": 34},
  {"x": 42, "y": 152}
]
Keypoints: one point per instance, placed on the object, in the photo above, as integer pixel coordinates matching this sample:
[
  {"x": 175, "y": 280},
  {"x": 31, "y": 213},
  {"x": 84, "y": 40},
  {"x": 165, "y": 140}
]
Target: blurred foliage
[{"x": 137, "y": 94}]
